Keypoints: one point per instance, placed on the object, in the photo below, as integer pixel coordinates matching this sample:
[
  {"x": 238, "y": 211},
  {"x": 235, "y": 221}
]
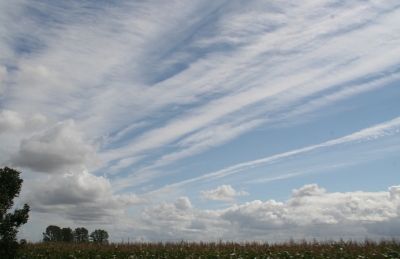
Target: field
[{"x": 229, "y": 250}]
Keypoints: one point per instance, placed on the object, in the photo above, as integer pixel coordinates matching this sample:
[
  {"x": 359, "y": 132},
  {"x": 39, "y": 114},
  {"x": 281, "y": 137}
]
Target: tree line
[{"x": 79, "y": 235}]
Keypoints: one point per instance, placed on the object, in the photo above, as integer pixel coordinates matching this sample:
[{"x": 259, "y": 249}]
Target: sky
[{"x": 204, "y": 120}]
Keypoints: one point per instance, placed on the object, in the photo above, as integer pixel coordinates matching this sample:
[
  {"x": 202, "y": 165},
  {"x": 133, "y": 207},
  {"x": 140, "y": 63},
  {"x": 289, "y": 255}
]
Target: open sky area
[{"x": 204, "y": 120}]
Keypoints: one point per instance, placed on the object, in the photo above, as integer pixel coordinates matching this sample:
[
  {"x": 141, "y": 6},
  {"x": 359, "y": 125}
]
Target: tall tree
[
  {"x": 99, "y": 236},
  {"x": 81, "y": 235},
  {"x": 10, "y": 187},
  {"x": 67, "y": 235},
  {"x": 52, "y": 234}
]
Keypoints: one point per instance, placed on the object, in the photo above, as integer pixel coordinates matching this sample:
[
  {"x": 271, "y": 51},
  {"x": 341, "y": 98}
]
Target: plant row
[{"x": 216, "y": 250}]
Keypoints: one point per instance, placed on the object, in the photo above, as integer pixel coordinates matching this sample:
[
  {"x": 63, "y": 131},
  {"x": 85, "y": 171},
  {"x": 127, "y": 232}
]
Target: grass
[{"x": 218, "y": 250}]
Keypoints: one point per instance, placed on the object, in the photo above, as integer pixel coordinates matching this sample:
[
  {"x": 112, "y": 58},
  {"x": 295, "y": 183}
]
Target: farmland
[{"x": 229, "y": 250}]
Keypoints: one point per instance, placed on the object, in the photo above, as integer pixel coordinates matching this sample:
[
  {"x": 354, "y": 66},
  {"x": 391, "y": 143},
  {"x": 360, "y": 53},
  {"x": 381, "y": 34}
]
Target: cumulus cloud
[
  {"x": 222, "y": 193},
  {"x": 55, "y": 149},
  {"x": 79, "y": 196},
  {"x": 12, "y": 121},
  {"x": 311, "y": 207},
  {"x": 395, "y": 193},
  {"x": 182, "y": 203},
  {"x": 309, "y": 190},
  {"x": 176, "y": 219},
  {"x": 310, "y": 212}
]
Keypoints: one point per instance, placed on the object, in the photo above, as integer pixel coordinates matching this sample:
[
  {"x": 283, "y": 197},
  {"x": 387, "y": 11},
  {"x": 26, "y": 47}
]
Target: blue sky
[{"x": 204, "y": 119}]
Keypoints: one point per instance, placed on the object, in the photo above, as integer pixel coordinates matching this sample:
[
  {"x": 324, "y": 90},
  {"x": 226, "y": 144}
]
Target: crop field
[{"x": 229, "y": 250}]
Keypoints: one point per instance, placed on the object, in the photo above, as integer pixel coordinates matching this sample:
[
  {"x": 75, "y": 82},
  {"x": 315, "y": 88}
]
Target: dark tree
[
  {"x": 10, "y": 187},
  {"x": 99, "y": 236},
  {"x": 81, "y": 235},
  {"x": 67, "y": 235},
  {"x": 52, "y": 234}
]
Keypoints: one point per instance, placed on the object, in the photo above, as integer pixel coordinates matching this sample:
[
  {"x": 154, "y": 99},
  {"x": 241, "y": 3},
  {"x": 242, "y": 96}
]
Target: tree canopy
[
  {"x": 10, "y": 187},
  {"x": 99, "y": 236},
  {"x": 52, "y": 234},
  {"x": 81, "y": 235},
  {"x": 67, "y": 235}
]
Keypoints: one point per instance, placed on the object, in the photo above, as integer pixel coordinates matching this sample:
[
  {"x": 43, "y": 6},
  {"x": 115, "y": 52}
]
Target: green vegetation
[
  {"x": 52, "y": 234},
  {"x": 10, "y": 187},
  {"x": 99, "y": 236},
  {"x": 79, "y": 235},
  {"x": 228, "y": 250}
]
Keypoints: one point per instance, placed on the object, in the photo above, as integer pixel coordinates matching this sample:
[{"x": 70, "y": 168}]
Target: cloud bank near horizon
[{"x": 309, "y": 212}]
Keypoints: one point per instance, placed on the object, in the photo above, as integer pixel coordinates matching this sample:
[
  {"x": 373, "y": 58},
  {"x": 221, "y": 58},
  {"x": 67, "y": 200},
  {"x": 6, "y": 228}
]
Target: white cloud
[
  {"x": 55, "y": 149},
  {"x": 252, "y": 68},
  {"x": 39, "y": 76},
  {"x": 165, "y": 212},
  {"x": 283, "y": 89},
  {"x": 244, "y": 65},
  {"x": 168, "y": 221},
  {"x": 394, "y": 192},
  {"x": 309, "y": 190},
  {"x": 12, "y": 121},
  {"x": 79, "y": 196},
  {"x": 37, "y": 87},
  {"x": 310, "y": 212},
  {"x": 182, "y": 203},
  {"x": 311, "y": 206},
  {"x": 209, "y": 137},
  {"x": 222, "y": 193},
  {"x": 3, "y": 78}
]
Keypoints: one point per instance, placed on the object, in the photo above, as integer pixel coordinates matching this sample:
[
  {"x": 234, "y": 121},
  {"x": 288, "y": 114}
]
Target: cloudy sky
[{"x": 201, "y": 120}]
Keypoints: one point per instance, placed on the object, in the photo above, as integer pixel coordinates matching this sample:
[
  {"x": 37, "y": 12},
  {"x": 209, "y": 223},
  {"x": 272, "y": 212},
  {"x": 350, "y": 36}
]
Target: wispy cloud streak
[
  {"x": 276, "y": 93},
  {"x": 372, "y": 133}
]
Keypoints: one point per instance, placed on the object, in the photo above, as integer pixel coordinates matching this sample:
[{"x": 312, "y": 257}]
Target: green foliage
[
  {"x": 67, "y": 235},
  {"x": 219, "y": 250},
  {"x": 52, "y": 234},
  {"x": 81, "y": 235},
  {"x": 10, "y": 187},
  {"x": 56, "y": 234},
  {"x": 99, "y": 236}
]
